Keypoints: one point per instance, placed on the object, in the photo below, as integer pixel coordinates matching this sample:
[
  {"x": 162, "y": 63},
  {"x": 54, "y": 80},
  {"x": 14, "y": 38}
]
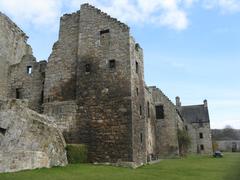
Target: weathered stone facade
[
  {"x": 28, "y": 140},
  {"x": 197, "y": 123},
  {"x": 26, "y": 81},
  {"x": 93, "y": 85},
  {"x": 228, "y": 145},
  {"x": 13, "y": 47}
]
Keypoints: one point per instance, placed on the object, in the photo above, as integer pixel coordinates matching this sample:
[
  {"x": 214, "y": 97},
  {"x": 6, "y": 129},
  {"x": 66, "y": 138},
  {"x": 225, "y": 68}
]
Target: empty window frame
[
  {"x": 29, "y": 69},
  {"x": 87, "y": 68},
  {"x": 3, "y": 131},
  {"x": 141, "y": 137},
  {"x": 18, "y": 93},
  {"x": 202, "y": 147},
  {"x": 148, "y": 109},
  {"x": 159, "y": 112},
  {"x": 104, "y": 31},
  {"x": 112, "y": 64},
  {"x": 137, "y": 91},
  {"x": 201, "y": 135},
  {"x": 137, "y": 66},
  {"x": 140, "y": 110}
]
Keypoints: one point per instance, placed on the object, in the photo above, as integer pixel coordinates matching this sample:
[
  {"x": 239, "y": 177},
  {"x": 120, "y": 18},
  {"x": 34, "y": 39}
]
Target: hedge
[{"x": 77, "y": 153}]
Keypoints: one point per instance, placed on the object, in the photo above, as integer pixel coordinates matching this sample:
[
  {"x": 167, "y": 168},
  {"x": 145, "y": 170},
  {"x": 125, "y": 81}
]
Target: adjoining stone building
[
  {"x": 198, "y": 126},
  {"x": 93, "y": 84}
]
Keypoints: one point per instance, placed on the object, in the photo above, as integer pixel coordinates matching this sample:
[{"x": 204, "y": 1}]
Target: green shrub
[{"x": 77, "y": 153}]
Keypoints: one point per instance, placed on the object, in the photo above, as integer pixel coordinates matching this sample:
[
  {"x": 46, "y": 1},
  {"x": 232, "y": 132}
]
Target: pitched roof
[{"x": 195, "y": 113}]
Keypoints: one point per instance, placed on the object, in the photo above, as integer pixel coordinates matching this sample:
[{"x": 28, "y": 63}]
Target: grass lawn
[{"x": 191, "y": 168}]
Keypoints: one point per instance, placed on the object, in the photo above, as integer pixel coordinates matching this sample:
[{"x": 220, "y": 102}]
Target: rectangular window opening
[
  {"x": 137, "y": 91},
  {"x": 202, "y": 147},
  {"x": 87, "y": 68},
  {"x": 112, "y": 64},
  {"x": 29, "y": 69},
  {"x": 159, "y": 112},
  {"x": 141, "y": 137},
  {"x": 201, "y": 135},
  {"x": 140, "y": 110},
  {"x": 18, "y": 93},
  {"x": 104, "y": 31},
  {"x": 3, "y": 131},
  {"x": 137, "y": 67},
  {"x": 148, "y": 109}
]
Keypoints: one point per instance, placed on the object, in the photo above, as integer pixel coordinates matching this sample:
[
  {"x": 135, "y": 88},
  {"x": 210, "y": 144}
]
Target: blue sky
[{"x": 191, "y": 47}]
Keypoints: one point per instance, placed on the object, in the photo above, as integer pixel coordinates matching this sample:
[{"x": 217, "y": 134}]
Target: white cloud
[
  {"x": 37, "y": 13},
  {"x": 226, "y": 6}
]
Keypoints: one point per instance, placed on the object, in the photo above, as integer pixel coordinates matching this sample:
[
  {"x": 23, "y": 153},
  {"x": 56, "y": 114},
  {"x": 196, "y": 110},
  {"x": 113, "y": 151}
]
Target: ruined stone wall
[
  {"x": 151, "y": 138},
  {"x": 60, "y": 82},
  {"x": 166, "y": 128},
  {"x": 139, "y": 124},
  {"x": 13, "y": 47},
  {"x": 104, "y": 89},
  {"x": 194, "y": 130},
  {"x": 65, "y": 115},
  {"x": 26, "y": 80},
  {"x": 28, "y": 140}
]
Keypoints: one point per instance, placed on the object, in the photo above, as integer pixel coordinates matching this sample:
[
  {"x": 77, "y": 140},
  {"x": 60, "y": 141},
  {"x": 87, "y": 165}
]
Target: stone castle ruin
[{"x": 92, "y": 88}]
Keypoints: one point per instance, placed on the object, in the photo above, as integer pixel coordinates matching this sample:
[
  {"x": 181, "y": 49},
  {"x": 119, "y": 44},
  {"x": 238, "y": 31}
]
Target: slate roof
[{"x": 195, "y": 114}]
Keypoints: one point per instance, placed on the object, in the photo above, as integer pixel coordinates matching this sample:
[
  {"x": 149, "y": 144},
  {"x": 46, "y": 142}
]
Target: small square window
[
  {"x": 112, "y": 64},
  {"x": 87, "y": 68},
  {"x": 29, "y": 69},
  {"x": 3, "y": 131}
]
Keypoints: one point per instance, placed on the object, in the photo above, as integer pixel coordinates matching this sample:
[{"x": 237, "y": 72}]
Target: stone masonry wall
[
  {"x": 28, "y": 140},
  {"x": 151, "y": 138},
  {"x": 194, "y": 131},
  {"x": 26, "y": 80},
  {"x": 60, "y": 82},
  {"x": 139, "y": 125},
  {"x": 104, "y": 92},
  {"x": 13, "y": 47},
  {"x": 166, "y": 129}
]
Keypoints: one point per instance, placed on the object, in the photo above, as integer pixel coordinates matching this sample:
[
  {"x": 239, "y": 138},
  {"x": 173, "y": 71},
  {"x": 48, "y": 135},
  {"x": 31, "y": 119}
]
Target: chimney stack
[
  {"x": 178, "y": 102},
  {"x": 205, "y": 103}
]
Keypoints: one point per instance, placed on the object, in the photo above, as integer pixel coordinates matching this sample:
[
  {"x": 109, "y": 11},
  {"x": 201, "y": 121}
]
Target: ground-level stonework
[{"x": 28, "y": 140}]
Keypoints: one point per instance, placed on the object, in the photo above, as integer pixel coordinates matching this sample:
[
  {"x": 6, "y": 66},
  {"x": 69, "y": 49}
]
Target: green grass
[{"x": 191, "y": 168}]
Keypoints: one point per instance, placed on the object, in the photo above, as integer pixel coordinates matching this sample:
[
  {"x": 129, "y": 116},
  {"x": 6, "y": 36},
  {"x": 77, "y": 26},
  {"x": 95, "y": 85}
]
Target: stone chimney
[
  {"x": 205, "y": 103},
  {"x": 178, "y": 102}
]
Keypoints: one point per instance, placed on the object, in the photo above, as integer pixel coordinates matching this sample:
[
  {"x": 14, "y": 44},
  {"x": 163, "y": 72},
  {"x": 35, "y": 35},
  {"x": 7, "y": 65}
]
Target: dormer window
[{"x": 29, "y": 69}]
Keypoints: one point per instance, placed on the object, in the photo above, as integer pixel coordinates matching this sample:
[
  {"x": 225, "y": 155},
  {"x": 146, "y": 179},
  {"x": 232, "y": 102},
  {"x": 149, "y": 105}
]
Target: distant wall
[{"x": 229, "y": 145}]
